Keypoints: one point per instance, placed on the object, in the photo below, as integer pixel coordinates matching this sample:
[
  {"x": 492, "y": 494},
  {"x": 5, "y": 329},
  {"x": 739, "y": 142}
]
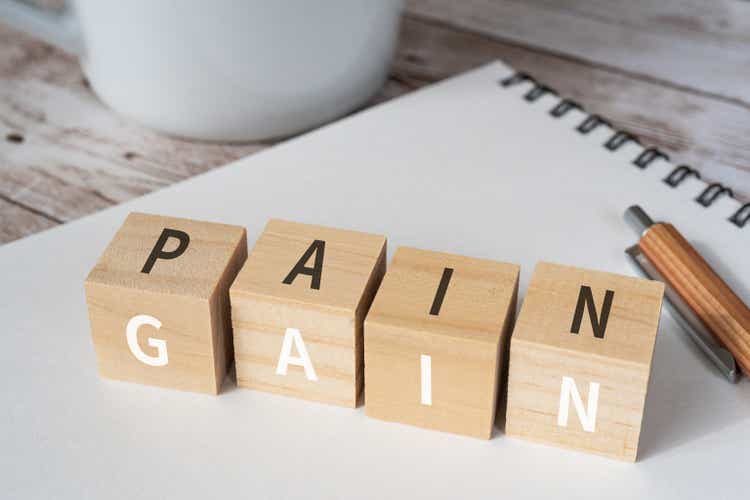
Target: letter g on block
[{"x": 131, "y": 332}]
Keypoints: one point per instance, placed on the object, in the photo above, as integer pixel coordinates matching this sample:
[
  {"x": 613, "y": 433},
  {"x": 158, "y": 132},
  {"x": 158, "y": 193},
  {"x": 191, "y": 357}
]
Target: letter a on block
[
  {"x": 286, "y": 358},
  {"x": 316, "y": 248},
  {"x": 131, "y": 333},
  {"x": 587, "y": 416}
]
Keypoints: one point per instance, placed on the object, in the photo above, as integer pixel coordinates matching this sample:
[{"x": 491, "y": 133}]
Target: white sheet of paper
[{"x": 464, "y": 166}]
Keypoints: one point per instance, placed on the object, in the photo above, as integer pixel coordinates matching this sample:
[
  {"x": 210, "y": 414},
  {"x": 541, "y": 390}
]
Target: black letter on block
[
  {"x": 158, "y": 250},
  {"x": 440, "y": 294},
  {"x": 599, "y": 325},
  {"x": 318, "y": 248}
]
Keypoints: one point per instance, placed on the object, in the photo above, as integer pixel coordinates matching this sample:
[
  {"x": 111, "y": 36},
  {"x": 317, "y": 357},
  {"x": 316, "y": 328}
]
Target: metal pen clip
[{"x": 679, "y": 309}]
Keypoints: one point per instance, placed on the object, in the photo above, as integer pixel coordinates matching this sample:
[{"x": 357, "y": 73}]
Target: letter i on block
[
  {"x": 580, "y": 359},
  {"x": 298, "y": 307},
  {"x": 158, "y": 302},
  {"x": 435, "y": 340}
]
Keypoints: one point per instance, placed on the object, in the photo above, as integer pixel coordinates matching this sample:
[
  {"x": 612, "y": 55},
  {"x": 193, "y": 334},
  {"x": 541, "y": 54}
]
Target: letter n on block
[
  {"x": 435, "y": 340},
  {"x": 580, "y": 360},
  {"x": 298, "y": 308},
  {"x": 158, "y": 302}
]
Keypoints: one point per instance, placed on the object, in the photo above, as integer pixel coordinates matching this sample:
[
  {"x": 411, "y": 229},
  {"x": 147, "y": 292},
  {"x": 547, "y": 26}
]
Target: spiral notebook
[{"x": 490, "y": 164}]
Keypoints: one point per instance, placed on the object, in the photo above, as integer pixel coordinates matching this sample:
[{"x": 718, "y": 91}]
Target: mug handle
[{"x": 57, "y": 28}]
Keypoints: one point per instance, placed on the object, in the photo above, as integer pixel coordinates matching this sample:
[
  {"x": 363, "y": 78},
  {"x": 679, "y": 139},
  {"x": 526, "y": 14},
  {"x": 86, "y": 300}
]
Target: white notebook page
[{"x": 463, "y": 166}]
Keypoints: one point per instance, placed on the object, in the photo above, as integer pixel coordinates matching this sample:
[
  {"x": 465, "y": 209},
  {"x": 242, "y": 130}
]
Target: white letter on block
[
  {"x": 587, "y": 417},
  {"x": 131, "y": 333},
  {"x": 286, "y": 358},
  {"x": 426, "y": 366}
]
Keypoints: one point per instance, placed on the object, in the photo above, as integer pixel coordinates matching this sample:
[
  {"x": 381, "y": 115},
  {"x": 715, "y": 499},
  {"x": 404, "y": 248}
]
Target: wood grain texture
[
  {"x": 329, "y": 318},
  {"x": 701, "y": 46},
  {"x": 718, "y": 307},
  {"x": 465, "y": 341},
  {"x": 188, "y": 294},
  {"x": 19, "y": 221},
  {"x": 544, "y": 351},
  {"x": 65, "y": 155}
]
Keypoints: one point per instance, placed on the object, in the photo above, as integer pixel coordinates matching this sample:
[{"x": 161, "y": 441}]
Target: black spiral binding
[
  {"x": 619, "y": 139},
  {"x": 712, "y": 192},
  {"x": 564, "y": 106},
  {"x": 741, "y": 216},
  {"x": 591, "y": 122},
  {"x": 709, "y": 195},
  {"x": 679, "y": 174}
]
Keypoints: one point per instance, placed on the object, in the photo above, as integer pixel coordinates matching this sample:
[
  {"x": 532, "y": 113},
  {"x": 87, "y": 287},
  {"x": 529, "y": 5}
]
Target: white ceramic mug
[{"x": 224, "y": 70}]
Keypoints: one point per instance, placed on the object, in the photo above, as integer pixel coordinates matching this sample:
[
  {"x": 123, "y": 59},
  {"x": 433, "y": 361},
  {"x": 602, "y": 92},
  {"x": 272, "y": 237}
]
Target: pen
[{"x": 714, "y": 316}]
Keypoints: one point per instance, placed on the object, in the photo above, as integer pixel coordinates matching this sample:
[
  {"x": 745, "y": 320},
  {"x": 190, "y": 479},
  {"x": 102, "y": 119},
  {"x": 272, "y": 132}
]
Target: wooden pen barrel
[{"x": 720, "y": 309}]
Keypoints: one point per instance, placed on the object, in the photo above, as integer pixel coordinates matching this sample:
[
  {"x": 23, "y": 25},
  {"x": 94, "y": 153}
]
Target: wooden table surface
[{"x": 674, "y": 72}]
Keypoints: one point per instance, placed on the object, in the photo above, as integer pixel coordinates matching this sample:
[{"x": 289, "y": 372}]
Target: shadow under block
[
  {"x": 584, "y": 390},
  {"x": 158, "y": 302},
  {"x": 298, "y": 307},
  {"x": 435, "y": 339}
]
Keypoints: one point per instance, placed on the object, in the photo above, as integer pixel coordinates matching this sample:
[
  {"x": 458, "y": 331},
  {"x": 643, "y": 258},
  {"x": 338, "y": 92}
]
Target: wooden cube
[
  {"x": 580, "y": 359},
  {"x": 158, "y": 302},
  {"x": 298, "y": 307},
  {"x": 435, "y": 340}
]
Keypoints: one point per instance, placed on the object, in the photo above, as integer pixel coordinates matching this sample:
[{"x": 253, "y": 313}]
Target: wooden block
[
  {"x": 580, "y": 359},
  {"x": 158, "y": 302},
  {"x": 298, "y": 307},
  {"x": 435, "y": 340}
]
